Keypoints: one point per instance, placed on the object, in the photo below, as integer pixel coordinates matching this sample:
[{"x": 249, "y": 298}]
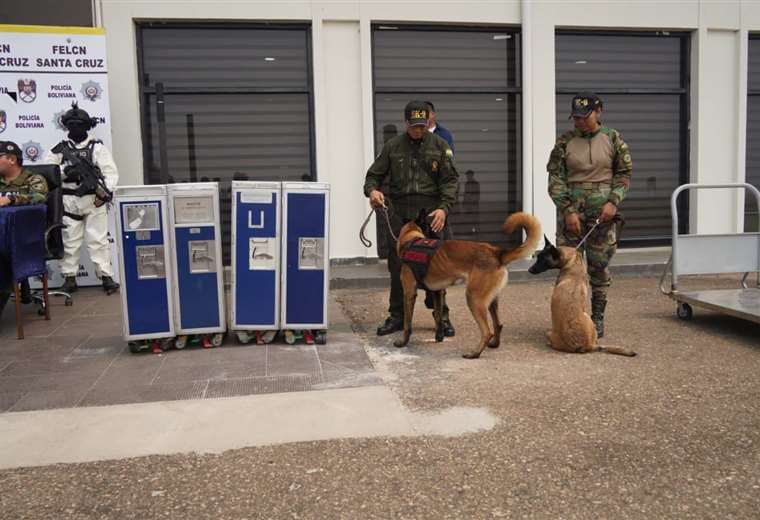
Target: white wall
[{"x": 343, "y": 73}]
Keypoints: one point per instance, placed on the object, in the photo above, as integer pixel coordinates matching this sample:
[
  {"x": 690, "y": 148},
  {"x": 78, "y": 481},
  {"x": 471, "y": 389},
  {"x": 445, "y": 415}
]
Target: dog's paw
[
  {"x": 494, "y": 342},
  {"x": 471, "y": 355},
  {"x": 439, "y": 336},
  {"x": 400, "y": 343}
]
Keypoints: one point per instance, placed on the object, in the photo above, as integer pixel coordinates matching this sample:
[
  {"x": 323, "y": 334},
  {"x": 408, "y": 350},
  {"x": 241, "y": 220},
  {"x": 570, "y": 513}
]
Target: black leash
[{"x": 363, "y": 238}]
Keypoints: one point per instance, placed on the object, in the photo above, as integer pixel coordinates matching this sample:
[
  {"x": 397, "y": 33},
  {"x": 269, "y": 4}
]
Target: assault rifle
[{"x": 90, "y": 177}]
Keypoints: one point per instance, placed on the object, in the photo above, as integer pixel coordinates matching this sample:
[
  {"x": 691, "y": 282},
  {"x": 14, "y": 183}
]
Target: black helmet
[{"x": 76, "y": 114}]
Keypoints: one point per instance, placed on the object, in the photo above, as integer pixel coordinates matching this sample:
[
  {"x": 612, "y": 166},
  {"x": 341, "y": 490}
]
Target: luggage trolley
[
  {"x": 715, "y": 254},
  {"x": 144, "y": 243},
  {"x": 256, "y": 209},
  {"x": 197, "y": 264},
  {"x": 305, "y": 261}
]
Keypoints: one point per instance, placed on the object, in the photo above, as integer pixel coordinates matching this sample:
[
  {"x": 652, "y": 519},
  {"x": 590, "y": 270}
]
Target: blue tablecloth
[{"x": 22, "y": 243}]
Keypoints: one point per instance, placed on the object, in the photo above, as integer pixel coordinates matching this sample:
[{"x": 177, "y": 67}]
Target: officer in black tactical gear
[{"x": 89, "y": 177}]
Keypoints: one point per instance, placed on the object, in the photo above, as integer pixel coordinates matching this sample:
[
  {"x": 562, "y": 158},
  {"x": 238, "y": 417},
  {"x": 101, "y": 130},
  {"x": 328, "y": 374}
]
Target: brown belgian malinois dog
[
  {"x": 482, "y": 265},
  {"x": 572, "y": 328}
]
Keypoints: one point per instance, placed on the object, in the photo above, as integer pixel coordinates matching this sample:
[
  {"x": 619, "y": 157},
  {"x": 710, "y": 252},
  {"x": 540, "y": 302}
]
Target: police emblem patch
[
  {"x": 3, "y": 121},
  {"x": 57, "y": 120},
  {"x": 27, "y": 90},
  {"x": 32, "y": 150},
  {"x": 434, "y": 166},
  {"x": 91, "y": 90}
]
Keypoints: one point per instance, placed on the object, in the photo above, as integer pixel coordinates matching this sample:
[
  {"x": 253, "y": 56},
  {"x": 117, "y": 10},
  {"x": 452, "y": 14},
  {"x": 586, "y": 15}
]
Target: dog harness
[{"x": 417, "y": 255}]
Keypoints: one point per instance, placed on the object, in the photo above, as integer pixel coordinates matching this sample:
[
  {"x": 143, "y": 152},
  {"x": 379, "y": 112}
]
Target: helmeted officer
[
  {"x": 422, "y": 176},
  {"x": 85, "y": 214},
  {"x": 589, "y": 176}
]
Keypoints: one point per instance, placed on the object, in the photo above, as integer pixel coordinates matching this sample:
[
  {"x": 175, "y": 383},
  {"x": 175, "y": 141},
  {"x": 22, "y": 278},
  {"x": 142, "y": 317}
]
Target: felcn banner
[{"x": 42, "y": 71}]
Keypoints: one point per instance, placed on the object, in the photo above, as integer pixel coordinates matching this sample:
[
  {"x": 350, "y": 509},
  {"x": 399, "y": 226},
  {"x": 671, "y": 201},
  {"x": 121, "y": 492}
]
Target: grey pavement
[{"x": 672, "y": 433}]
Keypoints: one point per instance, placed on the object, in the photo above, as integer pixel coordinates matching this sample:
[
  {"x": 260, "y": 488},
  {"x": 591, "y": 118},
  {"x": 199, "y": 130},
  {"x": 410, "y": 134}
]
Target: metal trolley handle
[{"x": 673, "y": 262}]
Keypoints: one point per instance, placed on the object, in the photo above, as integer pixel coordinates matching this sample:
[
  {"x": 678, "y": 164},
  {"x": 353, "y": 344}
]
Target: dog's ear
[{"x": 547, "y": 243}]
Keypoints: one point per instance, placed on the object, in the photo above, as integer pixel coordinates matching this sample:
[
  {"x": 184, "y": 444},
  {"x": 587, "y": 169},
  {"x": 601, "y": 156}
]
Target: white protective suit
[{"x": 94, "y": 227}]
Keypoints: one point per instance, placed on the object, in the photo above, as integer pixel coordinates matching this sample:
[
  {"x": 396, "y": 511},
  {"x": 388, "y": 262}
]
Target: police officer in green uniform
[
  {"x": 589, "y": 176},
  {"x": 422, "y": 176},
  {"x": 17, "y": 187}
]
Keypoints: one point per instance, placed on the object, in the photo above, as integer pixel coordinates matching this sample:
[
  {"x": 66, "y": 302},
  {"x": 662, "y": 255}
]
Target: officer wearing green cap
[
  {"x": 422, "y": 174},
  {"x": 589, "y": 176}
]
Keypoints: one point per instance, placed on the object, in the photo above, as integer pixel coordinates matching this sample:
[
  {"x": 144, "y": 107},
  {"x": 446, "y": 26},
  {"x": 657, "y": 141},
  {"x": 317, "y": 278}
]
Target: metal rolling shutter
[
  {"x": 472, "y": 78},
  {"x": 642, "y": 80},
  {"x": 226, "y": 103},
  {"x": 753, "y": 131}
]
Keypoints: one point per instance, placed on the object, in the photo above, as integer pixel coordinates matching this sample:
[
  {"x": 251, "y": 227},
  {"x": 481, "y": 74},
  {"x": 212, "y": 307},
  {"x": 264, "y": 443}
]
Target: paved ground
[
  {"x": 78, "y": 358},
  {"x": 673, "y": 433}
]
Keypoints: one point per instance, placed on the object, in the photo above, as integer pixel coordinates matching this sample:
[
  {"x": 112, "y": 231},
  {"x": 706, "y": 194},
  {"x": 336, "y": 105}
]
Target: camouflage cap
[
  {"x": 417, "y": 113},
  {"x": 584, "y": 103}
]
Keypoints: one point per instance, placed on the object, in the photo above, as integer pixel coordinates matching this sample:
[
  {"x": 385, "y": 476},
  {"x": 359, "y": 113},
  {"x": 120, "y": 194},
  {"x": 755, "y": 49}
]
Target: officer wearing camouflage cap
[
  {"x": 589, "y": 175},
  {"x": 18, "y": 187},
  {"x": 420, "y": 167}
]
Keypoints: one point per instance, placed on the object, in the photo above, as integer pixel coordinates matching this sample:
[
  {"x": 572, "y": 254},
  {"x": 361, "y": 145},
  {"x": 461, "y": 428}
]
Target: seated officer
[{"x": 17, "y": 187}]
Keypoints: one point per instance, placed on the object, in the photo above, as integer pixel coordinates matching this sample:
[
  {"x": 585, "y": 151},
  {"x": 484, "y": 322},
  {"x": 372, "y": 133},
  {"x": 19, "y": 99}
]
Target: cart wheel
[
  {"x": 269, "y": 336},
  {"x": 684, "y": 311},
  {"x": 217, "y": 339},
  {"x": 243, "y": 337},
  {"x": 68, "y": 302},
  {"x": 320, "y": 337},
  {"x": 41, "y": 311},
  {"x": 290, "y": 337},
  {"x": 180, "y": 342},
  {"x": 166, "y": 344},
  {"x": 135, "y": 347}
]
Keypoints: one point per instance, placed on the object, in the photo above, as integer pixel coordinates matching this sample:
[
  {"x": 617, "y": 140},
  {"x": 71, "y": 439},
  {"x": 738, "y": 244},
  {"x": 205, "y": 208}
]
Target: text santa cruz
[{"x": 70, "y": 50}]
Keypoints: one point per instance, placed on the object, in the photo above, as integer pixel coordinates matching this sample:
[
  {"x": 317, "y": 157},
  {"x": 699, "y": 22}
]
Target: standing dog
[
  {"x": 572, "y": 328},
  {"x": 482, "y": 265}
]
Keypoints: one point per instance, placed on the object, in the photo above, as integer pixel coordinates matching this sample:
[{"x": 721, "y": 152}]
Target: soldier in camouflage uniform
[
  {"x": 17, "y": 187},
  {"x": 422, "y": 176},
  {"x": 589, "y": 176}
]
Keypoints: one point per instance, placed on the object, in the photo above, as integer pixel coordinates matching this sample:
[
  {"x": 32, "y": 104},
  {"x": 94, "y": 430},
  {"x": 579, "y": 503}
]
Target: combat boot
[
  {"x": 392, "y": 324},
  {"x": 598, "y": 304},
  {"x": 109, "y": 286},
  {"x": 69, "y": 285}
]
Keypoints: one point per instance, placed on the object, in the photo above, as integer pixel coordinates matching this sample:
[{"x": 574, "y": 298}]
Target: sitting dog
[
  {"x": 572, "y": 328},
  {"x": 481, "y": 265}
]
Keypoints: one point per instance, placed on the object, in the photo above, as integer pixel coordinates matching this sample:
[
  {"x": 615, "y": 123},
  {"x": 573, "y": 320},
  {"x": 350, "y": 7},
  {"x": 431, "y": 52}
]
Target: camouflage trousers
[{"x": 601, "y": 245}]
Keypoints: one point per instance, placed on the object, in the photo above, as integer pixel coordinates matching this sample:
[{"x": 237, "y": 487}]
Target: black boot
[
  {"x": 26, "y": 292},
  {"x": 69, "y": 285},
  {"x": 392, "y": 324},
  {"x": 4, "y": 297},
  {"x": 448, "y": 329},
  {"x": 598, "y": 304},
  {"x": 109, "y": 286}
]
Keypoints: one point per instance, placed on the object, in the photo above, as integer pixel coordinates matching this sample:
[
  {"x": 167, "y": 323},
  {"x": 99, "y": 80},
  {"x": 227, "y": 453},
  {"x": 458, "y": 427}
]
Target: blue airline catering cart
[
  {"x": 144, "y": 247},
  {"x": 305, "y": 261},
  {"x": 256, "y": 213},
  {"x": 197, "y": 263}
]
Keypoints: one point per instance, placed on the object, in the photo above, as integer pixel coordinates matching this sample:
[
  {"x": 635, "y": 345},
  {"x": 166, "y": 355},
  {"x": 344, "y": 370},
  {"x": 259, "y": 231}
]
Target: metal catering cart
[{"x": 714, "y": 254}]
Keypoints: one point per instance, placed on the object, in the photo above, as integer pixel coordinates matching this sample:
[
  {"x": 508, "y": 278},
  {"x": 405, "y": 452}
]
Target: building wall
[{"x": 343, "y": 84}]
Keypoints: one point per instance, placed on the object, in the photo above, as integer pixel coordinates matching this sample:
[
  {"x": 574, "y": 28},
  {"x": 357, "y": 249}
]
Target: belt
[{"x": 590, "y": 185}]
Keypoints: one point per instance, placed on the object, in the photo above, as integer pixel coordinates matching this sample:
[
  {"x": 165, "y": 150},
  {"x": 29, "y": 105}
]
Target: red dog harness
[{"x": 417, "y": 255}]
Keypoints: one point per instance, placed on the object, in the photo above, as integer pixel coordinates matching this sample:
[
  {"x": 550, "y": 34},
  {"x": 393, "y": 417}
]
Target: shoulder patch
[{"x": 449, "y": 152}]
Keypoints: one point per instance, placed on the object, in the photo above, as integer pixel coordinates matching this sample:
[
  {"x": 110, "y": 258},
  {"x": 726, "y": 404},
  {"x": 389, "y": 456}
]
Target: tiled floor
[{"x": 80, "y": 359}]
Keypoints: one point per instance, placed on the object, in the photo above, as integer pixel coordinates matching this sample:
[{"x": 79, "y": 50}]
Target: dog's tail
[
  {"x": 532, "y": 228},
  {"x": 620, "y": 351}
]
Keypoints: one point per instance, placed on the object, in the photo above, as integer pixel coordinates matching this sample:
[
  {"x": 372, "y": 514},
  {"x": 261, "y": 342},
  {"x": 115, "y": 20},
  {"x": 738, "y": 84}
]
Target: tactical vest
[
  {"x": 417, "y": 255},
  {"x": 87, "y": 153}
]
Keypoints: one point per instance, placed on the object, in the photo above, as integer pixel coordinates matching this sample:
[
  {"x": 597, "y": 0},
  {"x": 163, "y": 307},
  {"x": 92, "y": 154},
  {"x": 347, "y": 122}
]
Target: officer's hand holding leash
[
  {"x": 609, "y": 210},
  {"x": 573, "y": 224},
  {"x": 377, "y": 199}
]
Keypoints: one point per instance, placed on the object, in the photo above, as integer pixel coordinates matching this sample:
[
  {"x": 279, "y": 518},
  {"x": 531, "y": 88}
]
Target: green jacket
[
  {"x": 422, "y": 174},
  {"x": 610, "y": 154},
  {"x": 27, "y": 188}
]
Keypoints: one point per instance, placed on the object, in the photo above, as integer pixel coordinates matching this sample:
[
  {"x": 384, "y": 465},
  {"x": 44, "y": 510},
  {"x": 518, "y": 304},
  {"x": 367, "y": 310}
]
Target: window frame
[
  {"x": 684, "y": 93},
  {"x": 145, "y": 92}
]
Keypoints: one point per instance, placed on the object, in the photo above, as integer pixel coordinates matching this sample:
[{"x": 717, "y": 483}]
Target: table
[{"x": 22, "y": 243}]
